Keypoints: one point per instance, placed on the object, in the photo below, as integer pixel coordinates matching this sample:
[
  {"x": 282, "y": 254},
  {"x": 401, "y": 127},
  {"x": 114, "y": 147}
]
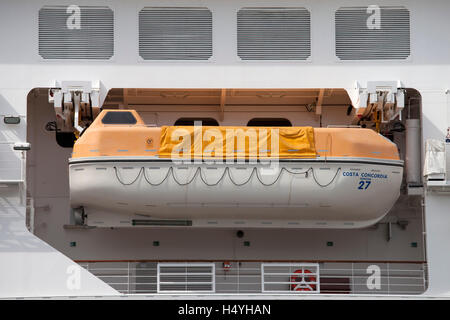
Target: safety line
[{"x": 226, "y": 171}]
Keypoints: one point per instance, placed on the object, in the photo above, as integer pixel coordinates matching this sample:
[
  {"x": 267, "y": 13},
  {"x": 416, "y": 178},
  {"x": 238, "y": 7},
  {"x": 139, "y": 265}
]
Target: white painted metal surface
[{"x": 31, "y": 268}]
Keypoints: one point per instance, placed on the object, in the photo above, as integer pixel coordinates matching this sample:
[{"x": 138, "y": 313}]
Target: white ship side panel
[{"x": 31, "y": 268}]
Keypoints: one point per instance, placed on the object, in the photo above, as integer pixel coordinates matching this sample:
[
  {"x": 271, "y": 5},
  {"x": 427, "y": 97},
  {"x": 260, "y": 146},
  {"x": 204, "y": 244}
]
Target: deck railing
[{"x": 262, "y": 277}]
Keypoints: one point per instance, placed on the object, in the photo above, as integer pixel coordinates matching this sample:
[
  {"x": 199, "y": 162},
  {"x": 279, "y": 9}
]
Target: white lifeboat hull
[{"x": 337, "y": 193}]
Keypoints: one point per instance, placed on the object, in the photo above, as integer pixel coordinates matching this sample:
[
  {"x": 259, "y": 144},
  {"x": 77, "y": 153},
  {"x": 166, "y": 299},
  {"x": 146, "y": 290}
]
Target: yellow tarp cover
[{"x": 188, "y": 142}]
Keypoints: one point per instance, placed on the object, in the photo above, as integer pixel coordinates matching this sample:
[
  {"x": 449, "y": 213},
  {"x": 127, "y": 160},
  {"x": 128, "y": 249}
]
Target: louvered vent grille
[
  {"x": 274, "y": 34},
  {"x": 175, "y": 33},
  {"x": 356, "y": 41},
  {"x": 70, "y": 34},
  {"x": 186, "y": 277}
]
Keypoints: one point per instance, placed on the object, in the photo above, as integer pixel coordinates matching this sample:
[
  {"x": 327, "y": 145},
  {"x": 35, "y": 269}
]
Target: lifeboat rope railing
[{"x": 198, "y": 171}]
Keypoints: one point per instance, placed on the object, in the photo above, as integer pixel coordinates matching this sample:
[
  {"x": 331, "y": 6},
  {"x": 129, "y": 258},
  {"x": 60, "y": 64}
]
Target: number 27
[{"x": 362, "y": 183}]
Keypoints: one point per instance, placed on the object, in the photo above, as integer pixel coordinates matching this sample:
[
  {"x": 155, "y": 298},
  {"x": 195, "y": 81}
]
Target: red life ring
[{"x": 304, "y": 286}]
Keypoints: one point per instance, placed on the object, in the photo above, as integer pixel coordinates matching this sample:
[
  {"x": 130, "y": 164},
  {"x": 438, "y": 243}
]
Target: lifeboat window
[
  {"x": 269, "y": 122},
  {"x": 119, "y": 117},
  {"x": 190, "y": 121}
]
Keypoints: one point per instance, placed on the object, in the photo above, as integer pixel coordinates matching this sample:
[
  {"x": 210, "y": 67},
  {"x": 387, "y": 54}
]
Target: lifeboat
[{"x": 124, "y": 173}]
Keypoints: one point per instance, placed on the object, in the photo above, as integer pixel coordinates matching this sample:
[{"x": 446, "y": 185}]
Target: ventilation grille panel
[
  {"x": 356, "y": 41},
  {"x": 92, "y": 38},
  {"x": 274, "y": 34},
  {"x": 175, "y": 33},
  {"x": 186, "y": 277}
]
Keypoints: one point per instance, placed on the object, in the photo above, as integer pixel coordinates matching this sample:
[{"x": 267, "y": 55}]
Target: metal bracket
[
  {"x": 385, "y": 98},
  {"x": 76, "y": 104}
]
